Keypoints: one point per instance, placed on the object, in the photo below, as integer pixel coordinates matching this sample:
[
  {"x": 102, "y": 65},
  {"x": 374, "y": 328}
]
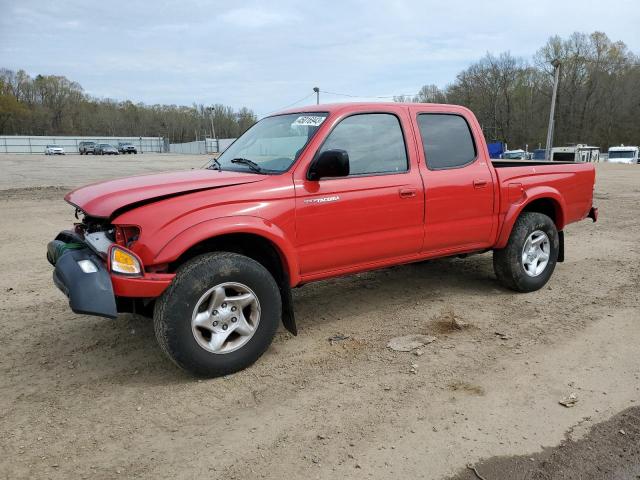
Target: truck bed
[{"x": 570, "y": 183}]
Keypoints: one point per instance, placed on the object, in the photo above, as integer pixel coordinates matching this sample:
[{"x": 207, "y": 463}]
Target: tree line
[
  {"x": 598, "y": 95},
  {"x": 55, "y": 105}
]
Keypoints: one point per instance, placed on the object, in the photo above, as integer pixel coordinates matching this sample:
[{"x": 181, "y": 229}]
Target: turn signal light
[{"x": 124, "y": 262}]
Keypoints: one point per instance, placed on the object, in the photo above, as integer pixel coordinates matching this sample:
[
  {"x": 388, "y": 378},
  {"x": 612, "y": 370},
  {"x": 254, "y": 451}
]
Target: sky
[{"x": 268, "y": 55}]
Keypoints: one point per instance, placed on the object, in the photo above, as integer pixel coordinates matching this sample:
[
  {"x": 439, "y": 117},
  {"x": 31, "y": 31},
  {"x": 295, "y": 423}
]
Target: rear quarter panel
[{"x": 570, "y": 186}]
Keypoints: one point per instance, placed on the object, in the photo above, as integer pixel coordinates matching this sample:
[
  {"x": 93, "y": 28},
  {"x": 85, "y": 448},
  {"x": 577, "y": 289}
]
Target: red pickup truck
[{"x": 305, "y": 195}]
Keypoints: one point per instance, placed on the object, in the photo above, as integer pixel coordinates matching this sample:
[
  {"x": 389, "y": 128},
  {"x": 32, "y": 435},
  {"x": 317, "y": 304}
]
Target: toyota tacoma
[{"x": 212, "y": 255}]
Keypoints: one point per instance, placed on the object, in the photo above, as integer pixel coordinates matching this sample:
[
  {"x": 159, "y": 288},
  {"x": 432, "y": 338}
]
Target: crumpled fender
[
  {"x": 528, "y": 196},
  {"x": 207, "y": 229}
]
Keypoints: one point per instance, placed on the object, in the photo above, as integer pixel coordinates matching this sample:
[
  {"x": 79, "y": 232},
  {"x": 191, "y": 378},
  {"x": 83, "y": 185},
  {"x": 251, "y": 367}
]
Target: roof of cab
[
  {"x": 355, "y": 106},
  {"x": 623, "y": 148}
]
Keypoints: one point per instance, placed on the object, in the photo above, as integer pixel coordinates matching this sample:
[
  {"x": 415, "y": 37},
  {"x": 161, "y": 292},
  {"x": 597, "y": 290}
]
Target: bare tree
[{"x": 598, "y": 98}]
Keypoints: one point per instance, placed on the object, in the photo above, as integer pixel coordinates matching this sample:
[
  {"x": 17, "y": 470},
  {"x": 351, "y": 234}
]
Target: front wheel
[
  {"x": 219, "y": 315},
  {"x": 528, "y": 260}
]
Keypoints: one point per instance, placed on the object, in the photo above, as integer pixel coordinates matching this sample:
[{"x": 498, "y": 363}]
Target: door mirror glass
[{"x": 330, "y": 163}]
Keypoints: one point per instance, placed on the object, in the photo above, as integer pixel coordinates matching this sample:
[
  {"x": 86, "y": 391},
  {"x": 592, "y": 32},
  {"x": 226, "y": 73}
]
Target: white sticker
[{"x": 309, "y": 120}]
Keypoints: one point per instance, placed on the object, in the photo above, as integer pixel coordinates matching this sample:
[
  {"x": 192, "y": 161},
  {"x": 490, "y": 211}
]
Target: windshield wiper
[
  {"x": 215, "y": 165},
  {"x": 249, "y": 163}
]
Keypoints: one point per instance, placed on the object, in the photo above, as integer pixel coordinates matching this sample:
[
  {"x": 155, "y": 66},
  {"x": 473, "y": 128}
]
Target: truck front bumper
[
  {"x": 93, "y": 290},
  {"x": 89, "y": 293}
]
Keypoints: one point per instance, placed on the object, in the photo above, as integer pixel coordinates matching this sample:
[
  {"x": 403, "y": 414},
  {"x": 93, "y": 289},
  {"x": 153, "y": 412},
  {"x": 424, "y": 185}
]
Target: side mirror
[{"x": 330, "y": 163}]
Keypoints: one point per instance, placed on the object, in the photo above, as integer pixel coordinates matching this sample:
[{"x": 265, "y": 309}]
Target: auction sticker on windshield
[{"x": 309, "y": 120}]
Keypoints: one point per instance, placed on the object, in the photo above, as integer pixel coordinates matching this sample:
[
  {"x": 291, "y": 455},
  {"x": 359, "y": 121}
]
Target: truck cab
[{"x": 624, "y": 154}]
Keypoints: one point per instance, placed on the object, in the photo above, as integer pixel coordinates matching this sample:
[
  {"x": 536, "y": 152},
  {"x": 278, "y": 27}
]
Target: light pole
[
  {"x": 213, "y": 131},
  {"x": 556, "y": 80},
  {"x": 317, "y": 90}
]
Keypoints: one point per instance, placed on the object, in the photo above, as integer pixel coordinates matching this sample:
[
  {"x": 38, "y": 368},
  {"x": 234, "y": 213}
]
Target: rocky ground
[{"x": 86, "y": 397}]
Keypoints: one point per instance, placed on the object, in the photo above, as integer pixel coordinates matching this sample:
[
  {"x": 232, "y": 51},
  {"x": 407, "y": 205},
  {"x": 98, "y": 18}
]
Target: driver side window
[{"x": 373, "y": 141}]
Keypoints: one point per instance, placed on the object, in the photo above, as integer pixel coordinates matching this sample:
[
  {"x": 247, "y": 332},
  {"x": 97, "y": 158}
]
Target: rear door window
[{"x": 446, "y": 140}]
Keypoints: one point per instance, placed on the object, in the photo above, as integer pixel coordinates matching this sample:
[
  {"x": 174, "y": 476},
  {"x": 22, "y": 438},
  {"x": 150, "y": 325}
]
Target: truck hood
[{"x": 103, "y": 199}]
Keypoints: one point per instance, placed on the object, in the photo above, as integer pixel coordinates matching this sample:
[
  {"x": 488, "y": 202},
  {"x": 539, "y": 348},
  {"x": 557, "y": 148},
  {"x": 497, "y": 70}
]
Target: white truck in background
[
  {"x": 576, "y": 153},
  {"x": 624, "y": 154}
]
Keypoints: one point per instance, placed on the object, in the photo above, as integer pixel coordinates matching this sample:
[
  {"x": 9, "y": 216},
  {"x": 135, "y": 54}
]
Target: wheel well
[
  {"x": 253, "y": 246},
  {"x": 259, "y": 249},
  {"x": 548, "y": 207}
]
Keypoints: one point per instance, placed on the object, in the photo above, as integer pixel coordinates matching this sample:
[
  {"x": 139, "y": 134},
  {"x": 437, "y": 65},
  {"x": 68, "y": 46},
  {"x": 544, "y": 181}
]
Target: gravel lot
[{"x": 86, "y": 397}]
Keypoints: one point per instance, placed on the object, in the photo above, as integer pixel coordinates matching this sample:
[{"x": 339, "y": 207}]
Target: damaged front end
[
  {"x": 81, "y": 274},
  {"x": 99, "y": 273}
]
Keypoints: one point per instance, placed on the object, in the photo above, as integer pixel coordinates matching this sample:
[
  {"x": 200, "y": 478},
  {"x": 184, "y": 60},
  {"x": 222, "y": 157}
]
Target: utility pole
[
  {"x": 556, "y": 80},
  {"x": 317, "y": 90}
]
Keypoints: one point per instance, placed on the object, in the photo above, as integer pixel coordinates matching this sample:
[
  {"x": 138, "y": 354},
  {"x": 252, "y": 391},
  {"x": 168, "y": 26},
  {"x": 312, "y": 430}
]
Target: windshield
[
  {"x": 621, "y": 154},
  {"x": 272, "y": 144},
  {"x": 513, "y": 155}
]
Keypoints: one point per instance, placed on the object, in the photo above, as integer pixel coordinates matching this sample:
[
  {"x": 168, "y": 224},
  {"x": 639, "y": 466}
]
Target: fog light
[
  {"x": 87, "y": 266},
  {"x": 124, "y": 262}
]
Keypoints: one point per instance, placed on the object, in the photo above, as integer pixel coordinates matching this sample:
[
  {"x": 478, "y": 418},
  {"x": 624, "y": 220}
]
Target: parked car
[
  {"x": 624, "y": 154},
  {"x": 539, "y": 154},
  {"x": 515, "y": 155},
  {"x": 105, "y": 149},
  {"x": 310, "y": 194},
  {"x": 126, "y": 147},
  {"x": 87, "y": 147},
  {"x": 53, "y": 150}
]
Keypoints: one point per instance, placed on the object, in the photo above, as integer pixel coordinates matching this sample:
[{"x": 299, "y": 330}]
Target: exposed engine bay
[{"x": 99, "y": 234}]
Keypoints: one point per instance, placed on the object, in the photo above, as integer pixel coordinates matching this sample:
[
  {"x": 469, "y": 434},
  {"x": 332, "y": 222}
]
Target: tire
[
  {"x": 524, "y": 273},
  {"x": 174, "y": 314}
]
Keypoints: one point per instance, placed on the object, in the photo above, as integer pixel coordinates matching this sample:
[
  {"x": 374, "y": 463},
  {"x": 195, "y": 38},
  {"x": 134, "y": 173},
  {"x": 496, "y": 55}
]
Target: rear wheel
[
  {"x": 219, "y": 315},
  {"x": 528, "y": 260}
]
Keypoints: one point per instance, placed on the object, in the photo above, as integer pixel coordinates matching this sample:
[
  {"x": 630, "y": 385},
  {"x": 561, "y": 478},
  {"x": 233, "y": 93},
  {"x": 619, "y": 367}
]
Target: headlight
[{"x": 125, "y": 262}]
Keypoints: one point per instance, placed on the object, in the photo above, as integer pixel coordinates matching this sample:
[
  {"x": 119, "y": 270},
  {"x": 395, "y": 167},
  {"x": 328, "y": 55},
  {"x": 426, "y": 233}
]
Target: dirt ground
[
  {"x": 610, "y": 451},
  {"x": 87, "y": 397}
]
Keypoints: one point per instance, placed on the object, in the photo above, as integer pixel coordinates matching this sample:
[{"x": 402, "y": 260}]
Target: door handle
[
  {"x": 479, "y": 183},
  {"x": 407, "y": 192}
]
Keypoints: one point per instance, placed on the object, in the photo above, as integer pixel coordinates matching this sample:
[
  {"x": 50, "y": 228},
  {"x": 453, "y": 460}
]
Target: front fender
[
  {"x": 530, "y": 195},
  {"x": 207, "y": 229}
]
